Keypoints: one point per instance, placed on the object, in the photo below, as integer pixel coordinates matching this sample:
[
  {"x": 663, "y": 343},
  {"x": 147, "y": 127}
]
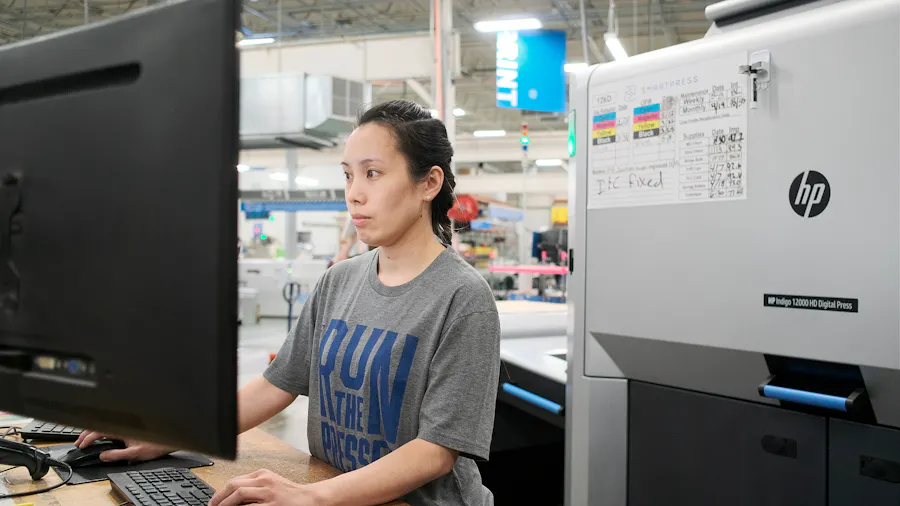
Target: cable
[
  {"x": 53, "y": 463},
  {"x": 10, "y": 430}
]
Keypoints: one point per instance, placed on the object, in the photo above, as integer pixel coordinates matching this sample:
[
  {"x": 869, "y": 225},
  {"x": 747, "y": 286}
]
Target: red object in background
[{"x": 464, "y": 210}]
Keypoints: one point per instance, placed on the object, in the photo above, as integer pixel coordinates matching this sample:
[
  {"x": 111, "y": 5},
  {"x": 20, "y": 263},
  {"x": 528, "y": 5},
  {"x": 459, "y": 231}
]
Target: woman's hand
[
  {"x": 135, "y": 450},
  {"x": 266, "y": 488}
]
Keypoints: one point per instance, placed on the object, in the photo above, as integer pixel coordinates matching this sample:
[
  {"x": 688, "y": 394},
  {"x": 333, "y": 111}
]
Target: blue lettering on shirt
[{"x": 371, "y": 421}]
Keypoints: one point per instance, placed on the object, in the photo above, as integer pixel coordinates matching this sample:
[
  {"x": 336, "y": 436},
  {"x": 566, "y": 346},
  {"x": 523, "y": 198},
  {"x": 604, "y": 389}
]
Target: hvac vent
[
  {"x": 347, "y": 97},
  {"x": 298, "y": 110}
]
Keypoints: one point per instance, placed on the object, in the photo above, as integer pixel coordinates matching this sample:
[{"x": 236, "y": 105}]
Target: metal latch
[{"x": 760, "y": 74}]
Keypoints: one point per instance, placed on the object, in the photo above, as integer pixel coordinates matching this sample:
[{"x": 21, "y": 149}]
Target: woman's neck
[{"x": 402, "y": 261}]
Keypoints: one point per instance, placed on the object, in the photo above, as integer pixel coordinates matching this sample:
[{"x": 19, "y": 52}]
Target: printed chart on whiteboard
[{"x": 678, "y": 136}]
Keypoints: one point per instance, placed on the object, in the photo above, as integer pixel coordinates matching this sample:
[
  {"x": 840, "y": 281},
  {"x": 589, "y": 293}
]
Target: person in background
[
  {"x": 398, "y": 349},
  {"x": 349, "y": 239}
]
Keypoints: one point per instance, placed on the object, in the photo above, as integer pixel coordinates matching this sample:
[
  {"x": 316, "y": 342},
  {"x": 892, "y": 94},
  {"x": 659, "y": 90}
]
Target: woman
[{"x": 397, "y": 349}]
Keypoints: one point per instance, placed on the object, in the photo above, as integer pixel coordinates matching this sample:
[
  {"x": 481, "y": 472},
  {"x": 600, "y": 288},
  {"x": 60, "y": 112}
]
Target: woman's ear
[{"x": 432, "y": 184}]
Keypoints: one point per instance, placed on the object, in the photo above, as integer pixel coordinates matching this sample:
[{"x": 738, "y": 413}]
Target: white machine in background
[
  {"x": 520, "y": 318},
  {"x": 734, "y": 290},
  {"x": 529, "y": 423},
  {"x": 269, "y": 277}
]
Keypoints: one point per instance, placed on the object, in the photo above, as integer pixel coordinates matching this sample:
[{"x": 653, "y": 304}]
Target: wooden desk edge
[{"x": 256, "y": 450}]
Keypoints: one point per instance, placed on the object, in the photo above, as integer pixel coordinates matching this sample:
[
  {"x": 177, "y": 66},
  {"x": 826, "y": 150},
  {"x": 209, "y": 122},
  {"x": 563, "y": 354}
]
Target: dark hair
[{"x": 424, "y": 143}]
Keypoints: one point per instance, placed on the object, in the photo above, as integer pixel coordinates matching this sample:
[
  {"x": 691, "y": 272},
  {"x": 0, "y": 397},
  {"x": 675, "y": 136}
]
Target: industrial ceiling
[{"x": 644, "y": 25}]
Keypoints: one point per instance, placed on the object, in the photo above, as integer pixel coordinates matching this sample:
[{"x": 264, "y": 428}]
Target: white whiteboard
[{"x": 671, "y": 137}]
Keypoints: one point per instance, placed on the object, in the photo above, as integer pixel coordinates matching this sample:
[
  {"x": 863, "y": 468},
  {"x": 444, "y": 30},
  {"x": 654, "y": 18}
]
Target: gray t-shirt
[{"x": 392, "y": 364}]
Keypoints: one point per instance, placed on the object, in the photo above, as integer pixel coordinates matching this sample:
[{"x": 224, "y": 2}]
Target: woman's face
[{"x": 381, "y": 197}]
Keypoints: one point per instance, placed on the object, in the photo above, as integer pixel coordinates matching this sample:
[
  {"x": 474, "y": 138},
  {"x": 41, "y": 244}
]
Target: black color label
[
  {"x": 808, "y": 302},
  {"x": 644, "y": 134}
]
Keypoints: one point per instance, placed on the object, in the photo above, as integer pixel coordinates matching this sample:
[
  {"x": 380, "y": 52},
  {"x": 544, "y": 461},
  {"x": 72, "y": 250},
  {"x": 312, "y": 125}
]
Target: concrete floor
[{"x": 255, "y": 343}]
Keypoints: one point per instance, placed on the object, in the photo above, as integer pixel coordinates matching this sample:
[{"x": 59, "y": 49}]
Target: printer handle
[{"x": 846, "y": 404}]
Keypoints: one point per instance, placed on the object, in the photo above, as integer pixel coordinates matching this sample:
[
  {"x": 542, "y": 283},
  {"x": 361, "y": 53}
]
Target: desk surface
[
  {"x": 256, "y": 450},
  {"x": 535, "y": 354}
]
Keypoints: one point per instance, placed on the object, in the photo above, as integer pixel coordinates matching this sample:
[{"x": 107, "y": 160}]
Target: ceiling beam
[
  {"x": 598, "y": 53},
  {"x": 420, "y": 90}
]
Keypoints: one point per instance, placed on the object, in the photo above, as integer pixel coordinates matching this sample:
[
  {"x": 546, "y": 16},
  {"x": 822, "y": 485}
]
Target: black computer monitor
[{"x": 118, "y": 220}]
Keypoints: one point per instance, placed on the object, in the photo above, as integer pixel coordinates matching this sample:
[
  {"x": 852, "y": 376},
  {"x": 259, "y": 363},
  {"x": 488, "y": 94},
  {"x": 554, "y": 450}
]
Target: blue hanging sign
[
  {"x": 292, "y": 207},
  {"x": 531, "y": 70}
]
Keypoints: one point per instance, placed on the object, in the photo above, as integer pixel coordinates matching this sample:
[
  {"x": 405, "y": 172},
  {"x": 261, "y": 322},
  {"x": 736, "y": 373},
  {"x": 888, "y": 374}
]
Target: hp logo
[{"x": 810, "y": 193}]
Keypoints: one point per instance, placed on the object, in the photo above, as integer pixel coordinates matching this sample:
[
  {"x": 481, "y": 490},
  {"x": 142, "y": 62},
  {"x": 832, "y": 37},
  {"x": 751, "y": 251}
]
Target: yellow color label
[{"x": 647, "y": 125}]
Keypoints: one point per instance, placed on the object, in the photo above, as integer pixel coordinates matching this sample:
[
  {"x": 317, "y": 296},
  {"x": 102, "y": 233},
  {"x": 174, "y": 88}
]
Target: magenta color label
[{"x": 650, "y": 116}]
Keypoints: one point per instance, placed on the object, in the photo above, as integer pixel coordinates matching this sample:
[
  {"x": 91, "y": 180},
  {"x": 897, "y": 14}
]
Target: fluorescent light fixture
[
  {"x": 456, "y": 112},
  {"x": 243, "y": 168},
  {"x": 489, "y": 133},
  {"x": 508, "y": 25},
  {"x": 256, "y": 42},
  {"x": 306, "y": 181},
  {"x": 549, "y": 162},
  {"x": 574, "y": 67},
  {"x": 615, "y": 46},
  {"x": 279, "y": 176}
]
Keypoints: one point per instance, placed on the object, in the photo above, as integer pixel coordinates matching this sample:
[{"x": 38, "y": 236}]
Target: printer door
[{"x": 688, "y": 448}]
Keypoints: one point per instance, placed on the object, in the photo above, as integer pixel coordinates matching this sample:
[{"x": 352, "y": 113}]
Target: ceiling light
[
  {"x": 459, "y": 112},
  {"x": 615, "y": 46},
  {"x": 489, "y": 133},
  {"x": 256, "y": 42},
  {"x": 243, "y": 168},
  {"x": 306, "y": 181},
  {"x": 508, "y": 25},
  {"x": 434, "y": 113},
  {"x": 575, "y": 67},
  {"x": 279, "y": 176},
  {"x": 549, "y": 162}
]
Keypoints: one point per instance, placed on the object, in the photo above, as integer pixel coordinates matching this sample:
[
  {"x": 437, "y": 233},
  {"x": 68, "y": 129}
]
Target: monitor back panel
[{"x": 122, "y": 260}]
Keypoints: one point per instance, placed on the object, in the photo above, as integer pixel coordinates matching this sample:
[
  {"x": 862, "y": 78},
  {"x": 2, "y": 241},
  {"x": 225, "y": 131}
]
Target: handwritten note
[{"x": 675, "y": 137}]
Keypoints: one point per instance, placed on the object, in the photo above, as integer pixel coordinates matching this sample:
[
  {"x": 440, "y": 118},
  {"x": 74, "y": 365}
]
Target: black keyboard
[
  {"x": 168, "y": 486},
  {"x": 49, "y": 431}
]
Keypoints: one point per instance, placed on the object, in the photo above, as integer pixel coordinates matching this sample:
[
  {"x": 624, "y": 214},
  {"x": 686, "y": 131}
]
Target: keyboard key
[{"x": 163, "y": 487}]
